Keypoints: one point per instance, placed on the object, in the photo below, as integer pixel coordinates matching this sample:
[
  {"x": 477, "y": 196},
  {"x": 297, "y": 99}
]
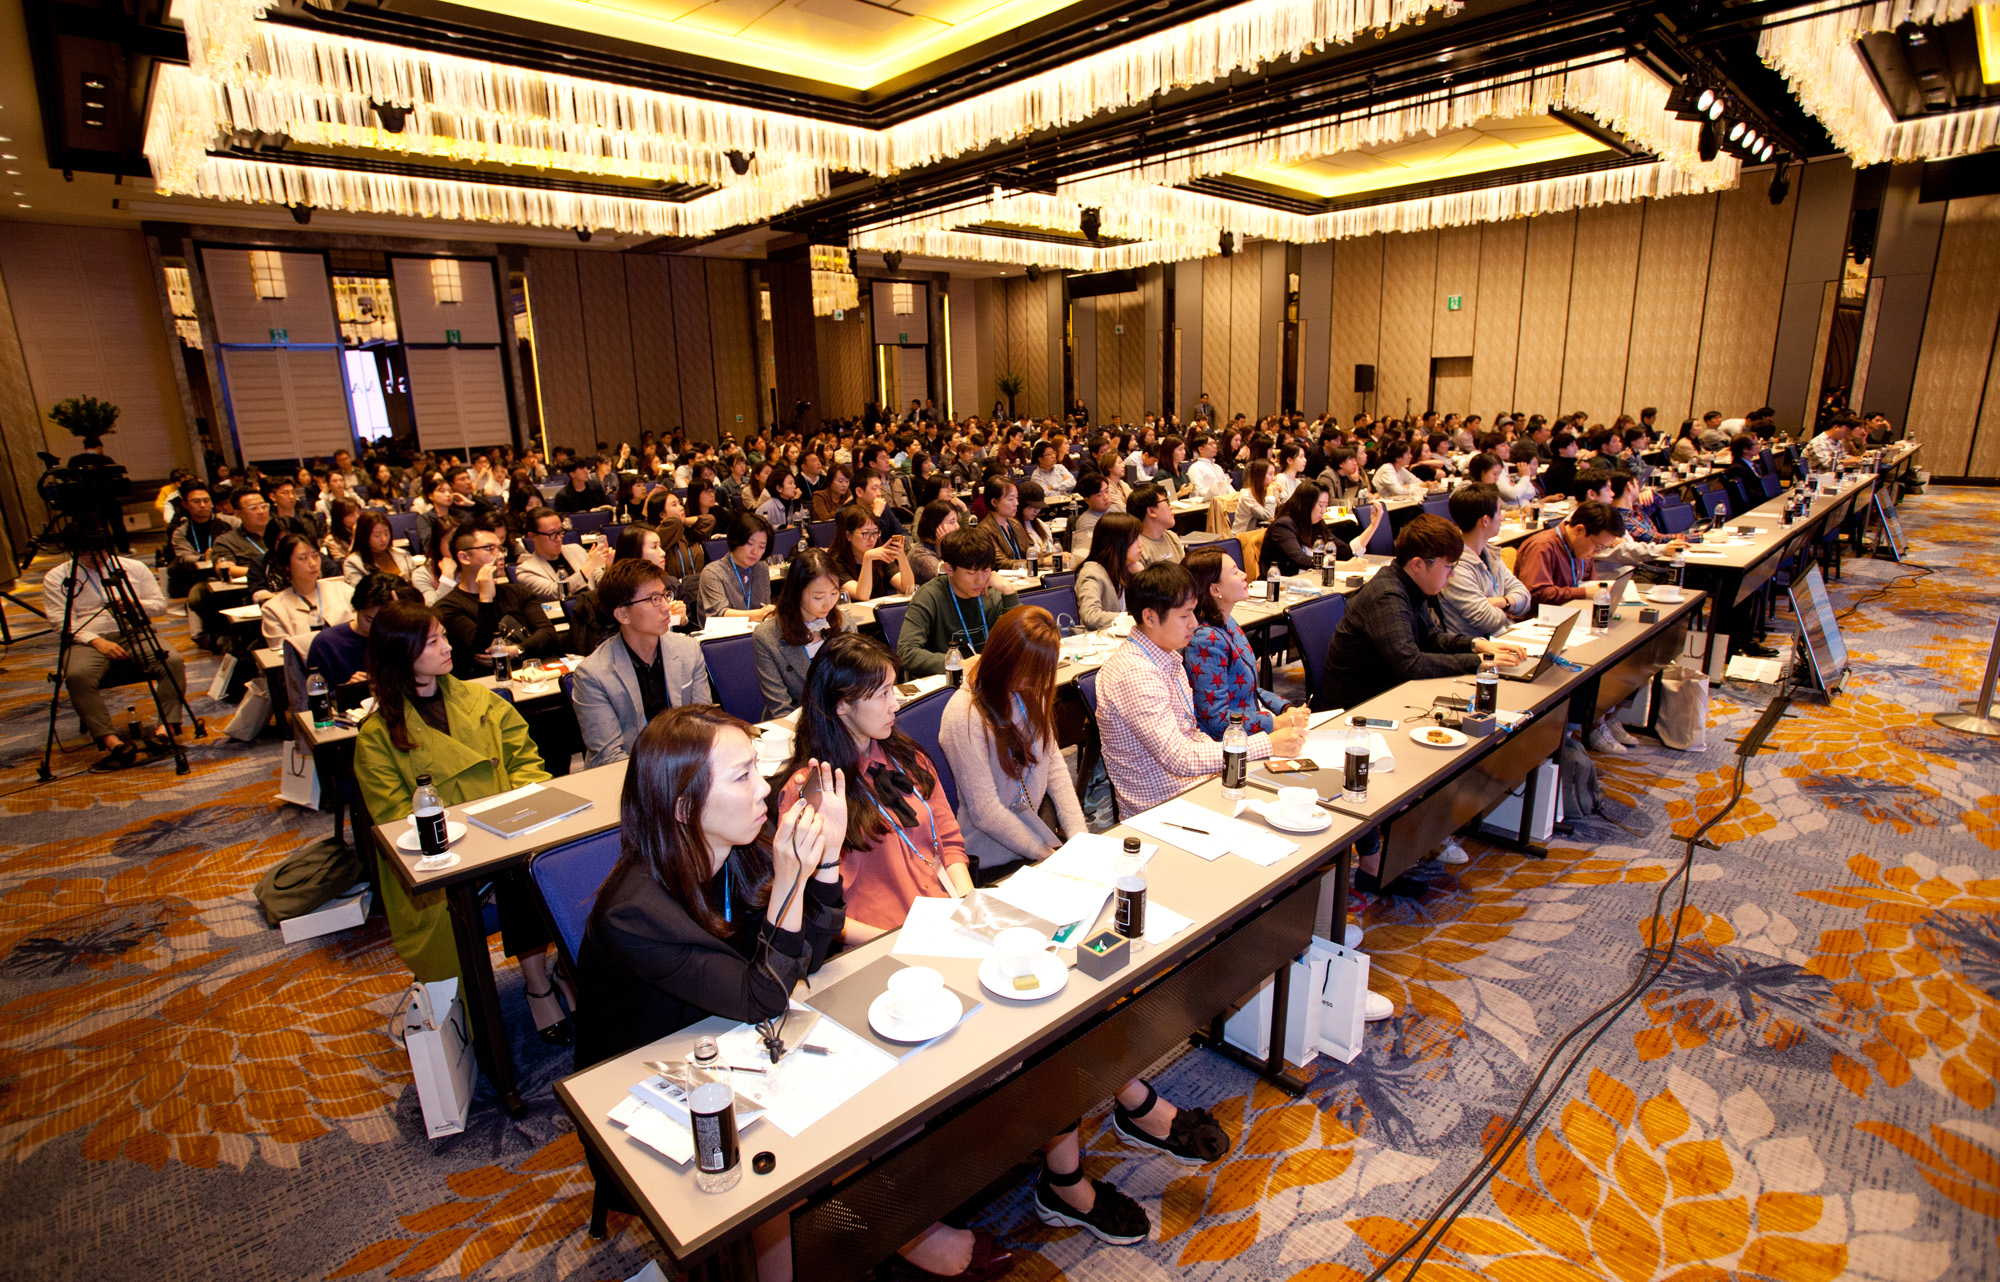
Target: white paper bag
[
  {"x": 440, "y": 1045},
  {"x": 1343, "y": 1000},
  {"x": 298, "y": 778},
  {"x": 1249, "y": 1029},
  {"x": 253, "y": 711},
  {"x": 225, "y": 672}
]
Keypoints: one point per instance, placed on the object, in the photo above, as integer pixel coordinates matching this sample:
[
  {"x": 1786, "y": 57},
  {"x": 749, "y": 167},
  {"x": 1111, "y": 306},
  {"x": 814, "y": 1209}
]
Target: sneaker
[
  {"x": 1114, "y": 1218},
  {"x": 1621, "y": 734},
  {"x": 1377, "y": 1008},
  {"x": 1452, "y": 853},
  {"x": 1600, "y": 740},
  {"x": 1195, "y": 1139}
]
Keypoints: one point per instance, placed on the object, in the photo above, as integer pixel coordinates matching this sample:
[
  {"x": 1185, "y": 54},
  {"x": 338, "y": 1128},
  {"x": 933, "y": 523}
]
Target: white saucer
[
  {"x": 1048, "y": 969},
  {"x": 453, "y": 830},
  {"x": 945, "y": 1013},
  {"x": 1278, "y": 821},
  {"x": 1659, "y": 596},
  {"x": 1422, "y": 735}
]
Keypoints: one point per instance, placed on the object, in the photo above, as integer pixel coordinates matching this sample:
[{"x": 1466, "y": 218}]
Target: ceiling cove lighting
[{"x": 1817, "y": 57}]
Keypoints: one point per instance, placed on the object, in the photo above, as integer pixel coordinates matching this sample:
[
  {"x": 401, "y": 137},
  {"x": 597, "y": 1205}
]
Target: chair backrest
[
  {"x": 403, "y": 525},
  {"x": 567, "y": 879},
  {"x": 1771, "y": 485},
  {"x": 1740, "y": 499},
  {"x": 1250, "y": 544},
  {"x": 1060, "y": 602},
  {"x": 1313, "y": 623},
  {"x": 785, "y": 542},
  {"x": 1438, "y": 504},
  {"x": 586, "y": 522},
  {"x": 1067, "y": 580},
  {"x": 1086, "y": 685},
  {"x": 919, "y": 719},
  {"x": 1383, "y": 541},
  {"x": 890, "y": 617},
  {"x": 820, "y": 533},
  {"x": 1233, "y": 546},
  {"x": 1710, "y": 500},
  {"x": 716, "y": 548},
  {"x": 1678, "y": 519},
  {"x": 732, "y": 674}
]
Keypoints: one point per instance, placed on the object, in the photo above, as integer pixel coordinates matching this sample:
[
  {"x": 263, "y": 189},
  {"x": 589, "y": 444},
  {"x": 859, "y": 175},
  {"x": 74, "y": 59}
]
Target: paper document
[
  {"x": 1053, "y": 896},
  {"x": 1163, "y": 923},
  {"x": 1093, "y": 856},
  {"x": 733, "y": 625},
  {"x": 928, "y": 932},
  {"x": 1764, "y": 671},
  {"x": 648, "y": 1125},
  {"x": 802, "y": 1088},
  {"x": 1204, "y": 832},
  {"x": 1328, "y": 749}
]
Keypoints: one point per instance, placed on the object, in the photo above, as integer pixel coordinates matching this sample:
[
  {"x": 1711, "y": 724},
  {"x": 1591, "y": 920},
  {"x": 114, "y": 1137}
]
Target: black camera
[{"x": 85, "y": 504}]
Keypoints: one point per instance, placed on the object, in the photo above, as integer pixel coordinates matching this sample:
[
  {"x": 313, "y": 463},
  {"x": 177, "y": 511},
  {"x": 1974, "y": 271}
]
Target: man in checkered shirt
[{"x": 1830, "y": 446}]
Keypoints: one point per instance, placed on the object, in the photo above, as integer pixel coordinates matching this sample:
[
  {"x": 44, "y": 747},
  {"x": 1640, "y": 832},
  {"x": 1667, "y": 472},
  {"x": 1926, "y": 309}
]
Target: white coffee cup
[
  {"x": 1018, "y": 949},
  {"x": 913, "y": 991},
  {"x": 1297, "y": 805}
]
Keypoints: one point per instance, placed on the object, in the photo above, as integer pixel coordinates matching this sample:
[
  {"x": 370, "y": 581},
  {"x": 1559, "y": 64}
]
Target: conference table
[{"x": 953, "y": 1117}]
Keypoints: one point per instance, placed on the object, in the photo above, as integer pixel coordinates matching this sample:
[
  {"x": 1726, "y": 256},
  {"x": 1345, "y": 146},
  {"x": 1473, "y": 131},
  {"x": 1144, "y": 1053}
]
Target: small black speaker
[{"x": 1364, "y": 378}]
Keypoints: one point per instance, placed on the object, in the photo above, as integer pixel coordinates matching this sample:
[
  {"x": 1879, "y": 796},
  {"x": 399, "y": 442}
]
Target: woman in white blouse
[
  {"x": 1291, "y": 465},
  {"x": 301, "y": 603},
  {"x": 1257, "y": 503},
  {"x": 375, "y": 549},
  {"x": 1394, "y": 480}
]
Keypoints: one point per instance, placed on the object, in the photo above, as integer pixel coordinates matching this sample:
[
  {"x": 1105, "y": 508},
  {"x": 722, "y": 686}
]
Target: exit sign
[
  {"x": 280, "y": 336},
  {"x": 451, "y": 336},
  {"x": 903, "y": 336},
  {"x": 1452, "y": 302}
]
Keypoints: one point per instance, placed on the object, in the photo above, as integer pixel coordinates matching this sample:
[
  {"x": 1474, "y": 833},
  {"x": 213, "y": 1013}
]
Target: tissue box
[
  {"x": 344, "y": 913},
  {"x": 1103, "y": 954}
]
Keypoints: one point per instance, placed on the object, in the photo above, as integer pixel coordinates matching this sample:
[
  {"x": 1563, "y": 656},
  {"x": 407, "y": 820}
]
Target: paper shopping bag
[
  {"x": 440, "y": 1045},
  {"x": 225, "y": 672},
  {"x": 298, "y": 778},
  {"x": 1343, "y": 999}
]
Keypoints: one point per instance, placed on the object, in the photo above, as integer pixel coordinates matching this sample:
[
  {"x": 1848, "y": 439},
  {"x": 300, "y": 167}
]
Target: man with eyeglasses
[
  {"x": 553, "y": 569},
  {"x": 640, "y": 671},
  {"x": 483, "y": 605}
]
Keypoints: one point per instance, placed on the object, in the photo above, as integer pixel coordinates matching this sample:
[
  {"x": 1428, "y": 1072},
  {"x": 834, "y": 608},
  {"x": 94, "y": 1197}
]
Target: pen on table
[
  {"x": 811, "y": 1049},
  {"x": 1186, "y": 828}
]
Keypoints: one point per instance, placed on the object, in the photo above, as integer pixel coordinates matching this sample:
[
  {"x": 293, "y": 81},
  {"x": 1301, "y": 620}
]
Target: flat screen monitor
[{"x": 1819, "y": 630}]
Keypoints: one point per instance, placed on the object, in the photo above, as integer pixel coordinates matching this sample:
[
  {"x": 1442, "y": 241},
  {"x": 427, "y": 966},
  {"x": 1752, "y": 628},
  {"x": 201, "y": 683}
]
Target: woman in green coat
[{"x": 473, "y": 744}]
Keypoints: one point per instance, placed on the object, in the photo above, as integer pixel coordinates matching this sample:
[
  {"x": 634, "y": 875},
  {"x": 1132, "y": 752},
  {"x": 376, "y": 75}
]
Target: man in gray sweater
[{"x": 1483, "y": 595}]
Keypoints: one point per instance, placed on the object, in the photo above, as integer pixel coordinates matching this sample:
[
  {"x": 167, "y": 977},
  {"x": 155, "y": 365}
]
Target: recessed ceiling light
[
  {"x": 8, "y": 155},
  {"x": 14, "y": 172},
  {"x": 6, "y": 140}
]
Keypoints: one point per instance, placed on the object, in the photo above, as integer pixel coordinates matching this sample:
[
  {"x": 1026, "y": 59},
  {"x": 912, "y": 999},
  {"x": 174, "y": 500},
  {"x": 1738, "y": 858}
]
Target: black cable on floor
[{"x": 1516, "y": 1132}]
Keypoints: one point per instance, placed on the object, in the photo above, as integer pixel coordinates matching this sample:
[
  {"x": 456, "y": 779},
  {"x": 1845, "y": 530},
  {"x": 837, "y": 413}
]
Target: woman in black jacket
[{"x": 1292, "y": 540}]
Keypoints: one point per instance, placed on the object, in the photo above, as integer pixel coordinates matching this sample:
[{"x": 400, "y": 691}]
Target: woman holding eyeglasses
[
  {"x": 703, "y": 915},
  {"x": 868, "y": 567},
  {"x": 472, "y": 743}
]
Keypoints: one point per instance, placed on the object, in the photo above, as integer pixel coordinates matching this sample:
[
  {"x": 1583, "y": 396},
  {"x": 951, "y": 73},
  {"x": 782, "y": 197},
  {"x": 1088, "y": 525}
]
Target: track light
[
  {"x": 1708, "y": 144},
  {"x": 1715, "y": 109},
  {"x": 1736, "y": 131},
  {"x": 1781, "y": 184},
  {"x": 1704, "y": 100},
  {"x": 1091, "y": 222},
  {"x": 892, "y": 261},
  {"x": 1764, "y": 152},
  {"x": 302, "y": 214},
  {"x": 1228, "y": 244},
  {"x": 392, "y": 117},
  {"x": 583, "y": 234},
  {"x": 739, "y": 163}
]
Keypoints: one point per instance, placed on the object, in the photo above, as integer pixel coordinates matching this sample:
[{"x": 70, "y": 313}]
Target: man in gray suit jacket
[
  {"x": 639, "y": 671},
  {"x": 553, "y": 569}
]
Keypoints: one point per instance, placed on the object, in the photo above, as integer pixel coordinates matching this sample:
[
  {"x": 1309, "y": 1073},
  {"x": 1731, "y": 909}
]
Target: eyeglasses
[
  {"x": 869, "y": 534},
  {"x": 653, "y": 599},
  {"x": 486, "y": 547}
]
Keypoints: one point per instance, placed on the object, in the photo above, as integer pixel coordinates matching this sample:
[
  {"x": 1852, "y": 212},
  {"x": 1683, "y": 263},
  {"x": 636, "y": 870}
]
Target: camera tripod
[{"x": 90, "y": 561}]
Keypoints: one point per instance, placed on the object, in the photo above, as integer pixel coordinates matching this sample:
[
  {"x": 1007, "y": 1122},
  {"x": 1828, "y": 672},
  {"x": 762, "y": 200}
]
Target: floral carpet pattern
[{"x": 1807, "y": 1094}]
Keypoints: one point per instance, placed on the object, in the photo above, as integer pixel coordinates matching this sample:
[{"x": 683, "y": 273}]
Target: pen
[
  {"x": 811, "y": 1049},
  {"x": 1185, "y": 828},
  {"x": 742, "y": 1068}
]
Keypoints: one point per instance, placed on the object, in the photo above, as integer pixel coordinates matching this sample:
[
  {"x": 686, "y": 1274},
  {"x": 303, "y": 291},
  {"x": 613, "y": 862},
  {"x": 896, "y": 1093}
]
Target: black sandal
[
  {"x": 1194, "y": 1139},
  {"x": 558, "y": 1033},
  {"x": 118, "y": 758}
]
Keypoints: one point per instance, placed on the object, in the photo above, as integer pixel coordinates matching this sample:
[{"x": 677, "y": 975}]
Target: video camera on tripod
[{"x": 85, "y": 505}]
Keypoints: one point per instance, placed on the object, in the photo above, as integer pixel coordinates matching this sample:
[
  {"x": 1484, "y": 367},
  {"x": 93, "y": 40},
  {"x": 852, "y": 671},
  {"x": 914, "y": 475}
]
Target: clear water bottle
[
  {"x": 319, "y": 699},
  {"x": 429, "y": 810},
  {"x": 1600, "y": 610},
  {"x": 1680, "y": 568},
  {"x": 718, "y": 1154},
  {"x": 1359, "y": 743},
  {"x": 1130, "y": 899},
  {"x": 1271, "y": 577},
  {"x": 1486, "y": 687},
  {"x": 503, "y": 663},
  {"x": 954, "y": 668},
  {"x": 1235, "y": 758}
]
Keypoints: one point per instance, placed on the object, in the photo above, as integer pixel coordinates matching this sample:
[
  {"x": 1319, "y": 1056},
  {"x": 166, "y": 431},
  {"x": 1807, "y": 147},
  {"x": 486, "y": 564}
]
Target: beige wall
[
  {"x": 1955, "y": 402},
  {"x": 1670, "y": 303},
  {"x": 86, "y": 314}
]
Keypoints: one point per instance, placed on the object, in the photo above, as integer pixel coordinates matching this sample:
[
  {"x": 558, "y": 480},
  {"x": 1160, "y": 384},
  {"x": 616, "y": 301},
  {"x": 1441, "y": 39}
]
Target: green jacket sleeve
[
  {"x": 378, "y": 773},
  {"x": 519, "y": 756}
]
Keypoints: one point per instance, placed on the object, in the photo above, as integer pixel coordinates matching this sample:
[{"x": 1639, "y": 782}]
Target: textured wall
[
  {"x": 1746, "y": 276},
  {"x": 1666, "y": 318},
  {"x": 1601, "y": 299},
  {"x": 1955, "y": 402}
]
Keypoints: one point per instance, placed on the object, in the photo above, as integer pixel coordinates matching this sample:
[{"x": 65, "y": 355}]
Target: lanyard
[
  {"x": 727, "y": 912},
  {"x": 1575, "y": 572},
  {"x": 742, "y": 578},
  {"x": 194, "y": 532},
  {"x": 682, "y": 552},
  {"x": 926, "y": 860},
  {"x": 963, "y": 630},
  {"x": 1007, "y": 528}
]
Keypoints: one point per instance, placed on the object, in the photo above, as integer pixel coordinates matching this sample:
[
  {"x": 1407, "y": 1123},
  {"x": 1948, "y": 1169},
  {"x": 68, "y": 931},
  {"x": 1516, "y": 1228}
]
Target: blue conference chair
[
  {"x": 1313, "y": 624},
  {"x": 919, "y": 719},
  {"x": 890, "y": 617},
  {"x": 1060, "y": 602},
  {"x": 732, "y": 674}
]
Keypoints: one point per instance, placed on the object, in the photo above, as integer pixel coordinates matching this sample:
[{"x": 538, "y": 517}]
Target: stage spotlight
[
  {"x": 892, "y": 261},
  {"x": 1736, "y": 131},
  {"x": 1715, "y": 109},
  {"x": 1704, "y": 100},
  {"x": 302, "y": 214},
  {"x": 1091, "y": 223}
]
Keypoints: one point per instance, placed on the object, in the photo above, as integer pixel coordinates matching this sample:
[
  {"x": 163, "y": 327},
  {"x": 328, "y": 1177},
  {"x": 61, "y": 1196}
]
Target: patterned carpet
[{"x": 1807, "y": 1095}]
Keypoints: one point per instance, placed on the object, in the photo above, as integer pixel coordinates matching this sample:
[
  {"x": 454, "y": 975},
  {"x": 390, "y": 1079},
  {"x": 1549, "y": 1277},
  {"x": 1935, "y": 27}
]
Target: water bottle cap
[
  {"x": 423, "y": 780},
  {"x": 1131, "y": 845}
]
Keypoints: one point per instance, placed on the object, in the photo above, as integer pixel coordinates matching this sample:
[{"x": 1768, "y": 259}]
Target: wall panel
[
  {"x": 731, "y": 344},
  {"x": 459, "y": 396},
  {"x": 1739, "y": 326},
  {"x": 656, "y": 372},
  {"x": 1545, "y": 282},
  {"x": 1958, "y": 339},
  {"x": 240, "y": 316},
  {"x": 1666, "y": 322},
  {"x": 421, "y": 318},
  {"x": 1409, "y": 273},
  {"x": 1246, "y": 311},
  {"x": 561, "y": 365},
  {"x": 692, "y": 343},
  {"x": 1496, "y": 332},
  {"x": 1452, "y": 332},
  {"x": 1354, "y": 330},
  {"x": 287, "y": 404},
  {"x": 607, "y": 321},
  {"x": 1600, "y": 310},
  {"x": 1218, "y": 322},
  {"x": 845, "y": 379}
]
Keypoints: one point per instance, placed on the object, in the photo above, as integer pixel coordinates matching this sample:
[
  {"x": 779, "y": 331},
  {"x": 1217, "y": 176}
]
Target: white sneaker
[
  {"x": 1378, "y": 1008},
  {"x": 1621, "y": 734},
  {"x": 1452, "y": 853},
  {"x": 1352, "y": 936},
  {"x": 1600, "y": 740}
]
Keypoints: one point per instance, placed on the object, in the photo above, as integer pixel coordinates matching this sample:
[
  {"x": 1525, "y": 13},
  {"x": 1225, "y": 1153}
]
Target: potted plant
[
  {"x": 1010, "y": 385},
  {"x": 85, "y": 417}
]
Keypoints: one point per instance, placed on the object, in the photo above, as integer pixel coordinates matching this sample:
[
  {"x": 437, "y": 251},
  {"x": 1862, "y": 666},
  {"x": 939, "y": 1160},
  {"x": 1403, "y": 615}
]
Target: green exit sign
[
  {"x": 903, "y": 336},
  {"x": 451, "y": 336},
  {"x": 1452, "y": 302},
  {"x": 280, "y": 336}
]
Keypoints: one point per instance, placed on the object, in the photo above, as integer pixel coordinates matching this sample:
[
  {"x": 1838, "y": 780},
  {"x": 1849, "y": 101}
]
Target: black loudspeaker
[{"x": 1364, "y": 378}]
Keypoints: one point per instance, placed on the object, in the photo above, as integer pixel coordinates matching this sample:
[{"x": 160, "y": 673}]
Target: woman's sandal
[
  {"x": 1194, "y": 1139},
  {"x": 558, "y": 1033},
  {"x": 117, "y": 758}
]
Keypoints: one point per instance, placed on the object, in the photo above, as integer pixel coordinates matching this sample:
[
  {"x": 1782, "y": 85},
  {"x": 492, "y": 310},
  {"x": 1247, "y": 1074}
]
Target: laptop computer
[{"x": 1529, "y": 669}]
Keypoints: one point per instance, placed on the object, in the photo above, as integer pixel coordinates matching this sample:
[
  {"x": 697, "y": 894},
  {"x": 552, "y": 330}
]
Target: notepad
[{"x": 524, "y": 810}]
